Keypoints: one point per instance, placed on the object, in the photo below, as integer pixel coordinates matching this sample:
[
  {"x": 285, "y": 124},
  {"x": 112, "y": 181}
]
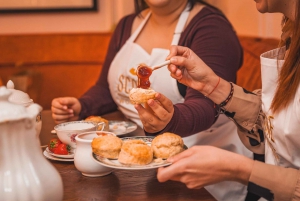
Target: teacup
[
  {"x": 67, "y": 132},
  {"x": 83, "y": 159}
]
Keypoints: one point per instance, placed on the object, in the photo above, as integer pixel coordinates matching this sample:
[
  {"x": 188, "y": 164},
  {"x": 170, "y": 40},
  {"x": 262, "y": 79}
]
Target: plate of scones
[{"x": 136, "y": 153}]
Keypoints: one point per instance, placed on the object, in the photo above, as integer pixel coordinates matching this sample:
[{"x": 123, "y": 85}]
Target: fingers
[
  {"x": 59, "y": 107},
  {"x": 61, "y": 118},
  {"x": 147, "y": 118},
  {"x": 63, "y": 108},
  {"x": 161, "y": 105},
  {"x": 176, "y": 50},
  {"x": 156, "y": 113},
  {"x": 180, "y": 59},
  {"x": 179, "y": 55},
  {"x": 182, "y": 62},
  {"x": 56, "y": 103},
  {"x": 68, "y": 101},
  {"x": 175, "y": 72},
  {"x": 173, "y": 172},
  {"x": 184, "y": 154}
]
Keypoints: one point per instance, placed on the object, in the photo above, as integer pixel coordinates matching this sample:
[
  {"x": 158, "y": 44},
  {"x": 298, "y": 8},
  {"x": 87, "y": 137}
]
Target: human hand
[
  {"x": 200, "y": 166},
  {"x": 65, "y": 109},
  {"x": 156, "y": 114},
  {"x": 188, "y": 68}
]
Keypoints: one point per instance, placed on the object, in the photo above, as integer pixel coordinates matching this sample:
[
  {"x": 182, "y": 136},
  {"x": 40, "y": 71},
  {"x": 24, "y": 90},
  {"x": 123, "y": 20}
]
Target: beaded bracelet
[{"x": 222, "y": 104}]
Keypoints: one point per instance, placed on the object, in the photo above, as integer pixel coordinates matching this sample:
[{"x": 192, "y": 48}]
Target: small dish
[
  {"x": 114, "y": 163},
  {"x": 70, "y": 155},
  {"x": 122, "y": 127},
  {"x": 47, "y": 155}
]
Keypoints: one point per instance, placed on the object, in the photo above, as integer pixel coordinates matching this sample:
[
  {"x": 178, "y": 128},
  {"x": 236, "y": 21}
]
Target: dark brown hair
[
  {"x": 289, "y": 76},
  {"x": 140, "y": 5}
]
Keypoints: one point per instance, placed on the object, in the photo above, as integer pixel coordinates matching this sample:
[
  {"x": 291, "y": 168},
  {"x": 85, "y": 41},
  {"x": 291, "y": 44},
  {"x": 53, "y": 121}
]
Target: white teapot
[
  {"x": 22, "y": 98},
  {"x": 25, "y": 173}
]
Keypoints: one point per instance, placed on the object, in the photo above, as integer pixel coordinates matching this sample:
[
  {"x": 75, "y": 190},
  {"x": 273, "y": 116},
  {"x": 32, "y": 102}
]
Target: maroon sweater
[{"x": 210, "y": 35}]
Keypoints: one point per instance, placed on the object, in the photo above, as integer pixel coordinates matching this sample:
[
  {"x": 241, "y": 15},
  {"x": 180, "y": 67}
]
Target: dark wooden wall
[
  {"x": 47, "y": 66},
  {"x": 53, "y": 65}
]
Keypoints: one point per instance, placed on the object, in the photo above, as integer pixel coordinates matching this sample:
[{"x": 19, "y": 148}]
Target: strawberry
[
  {"x": 61, "y": 149},
  {"x": 53, "y": 144}
]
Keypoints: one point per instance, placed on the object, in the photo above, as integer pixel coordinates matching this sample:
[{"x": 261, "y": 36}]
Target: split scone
[
  {"x": 135, "y": 152},
  {"x": 108, "y": 146},
  {"x": 166, "y": 145},
  {"x": 140, "y": 95}
]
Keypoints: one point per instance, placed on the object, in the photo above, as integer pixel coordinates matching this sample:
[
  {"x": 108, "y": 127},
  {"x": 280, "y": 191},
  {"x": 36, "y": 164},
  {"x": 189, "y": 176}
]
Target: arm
[
  {"x": 213, "y": 40},
  {"x": 250, "y": 130},
  {"x": 97, "y": 100},
  {"x": 199, "y": 76},
  {"x": 217, "y": 165},
  {"x": 249, "y": 119},
  {"x": 282, "y": 183}
]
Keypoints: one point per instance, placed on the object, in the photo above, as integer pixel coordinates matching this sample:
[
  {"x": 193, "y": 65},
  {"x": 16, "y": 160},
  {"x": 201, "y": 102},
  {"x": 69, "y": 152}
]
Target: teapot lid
[
  {"x": 11, "y": 111},
  {"x": 17, "y": 96}
]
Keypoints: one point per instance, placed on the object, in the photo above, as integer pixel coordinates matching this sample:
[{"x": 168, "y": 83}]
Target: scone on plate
[
  {"x": 140, "y": 95},
  {"x": 166, "y": 145},
  {"x": 135, "y": 152},
  {"x": 98, "y": 119},
  {"x": 108, "y": 146}
]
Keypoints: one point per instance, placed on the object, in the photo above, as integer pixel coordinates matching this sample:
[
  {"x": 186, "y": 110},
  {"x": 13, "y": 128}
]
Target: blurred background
[{"x": 51, "y": 54}]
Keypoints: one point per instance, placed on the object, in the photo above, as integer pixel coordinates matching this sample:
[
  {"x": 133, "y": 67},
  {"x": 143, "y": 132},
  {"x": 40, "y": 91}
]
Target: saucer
[
  {"x": 70, "y": 155},
  {"x": 122, "y": 127},
  {"x": 47, "y": 155}
]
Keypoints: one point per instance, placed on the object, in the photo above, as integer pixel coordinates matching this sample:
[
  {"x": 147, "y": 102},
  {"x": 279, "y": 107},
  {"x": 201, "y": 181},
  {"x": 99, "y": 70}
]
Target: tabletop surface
[{"x": 120, "y": 184}]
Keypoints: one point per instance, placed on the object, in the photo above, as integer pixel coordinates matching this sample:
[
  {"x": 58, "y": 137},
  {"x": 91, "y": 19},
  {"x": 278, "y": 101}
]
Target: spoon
[
  {"x": 161, "y": 65},
  {"x": 143, "y": 72},
  {"x": 133, "y": 71}
]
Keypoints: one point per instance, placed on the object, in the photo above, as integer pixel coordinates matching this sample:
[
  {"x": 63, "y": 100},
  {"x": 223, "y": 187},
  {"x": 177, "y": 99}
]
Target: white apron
[
  {"x": 285, "y": 147},
  {"x": 222, "y": 134}
]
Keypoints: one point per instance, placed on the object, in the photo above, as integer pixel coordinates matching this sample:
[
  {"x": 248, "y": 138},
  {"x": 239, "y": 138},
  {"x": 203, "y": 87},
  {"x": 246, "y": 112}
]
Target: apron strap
[
  {"x": 178, "y": 30},
  {"x": 140, "y": 27},
  {"x": 180, "y": 25}
]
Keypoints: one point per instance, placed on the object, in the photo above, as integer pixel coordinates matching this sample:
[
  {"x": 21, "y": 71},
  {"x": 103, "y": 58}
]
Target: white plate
[
  {"x": 122, "y": 127},
  {"x": 70, "y": 155},
  {"x": 47, "y": 155},
  {"x": 114, "y": 163}
]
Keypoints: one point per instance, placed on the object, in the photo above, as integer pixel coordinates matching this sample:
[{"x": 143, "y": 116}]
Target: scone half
[{"x": 140, "y": 95}]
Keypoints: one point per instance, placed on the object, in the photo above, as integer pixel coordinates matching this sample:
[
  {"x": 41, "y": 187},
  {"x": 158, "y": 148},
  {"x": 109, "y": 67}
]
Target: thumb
[
  {"x": 178, "y": 60},
  {"x": 182, "y": 62}
]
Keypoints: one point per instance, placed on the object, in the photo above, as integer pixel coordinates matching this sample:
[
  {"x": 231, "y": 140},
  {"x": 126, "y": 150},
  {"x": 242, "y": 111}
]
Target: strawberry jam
[{"x": 143, "y": 73}]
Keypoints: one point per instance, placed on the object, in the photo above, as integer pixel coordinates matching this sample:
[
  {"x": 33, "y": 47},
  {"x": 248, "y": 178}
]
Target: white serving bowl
[
  {"x": 83, "y": 159},
  {"x": 67, "y": 132}
]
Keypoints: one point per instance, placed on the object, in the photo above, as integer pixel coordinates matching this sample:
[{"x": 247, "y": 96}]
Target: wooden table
[{"x": 121, "y": 185}]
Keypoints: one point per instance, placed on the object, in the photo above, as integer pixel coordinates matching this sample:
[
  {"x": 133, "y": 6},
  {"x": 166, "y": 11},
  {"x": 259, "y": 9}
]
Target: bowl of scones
[{"x": 136, "y": 152}]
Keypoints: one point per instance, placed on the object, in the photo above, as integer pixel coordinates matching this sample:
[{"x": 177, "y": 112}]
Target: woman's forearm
[
  {"x": 281, "y": 183},
  {"x": 216, "y": 89}
]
